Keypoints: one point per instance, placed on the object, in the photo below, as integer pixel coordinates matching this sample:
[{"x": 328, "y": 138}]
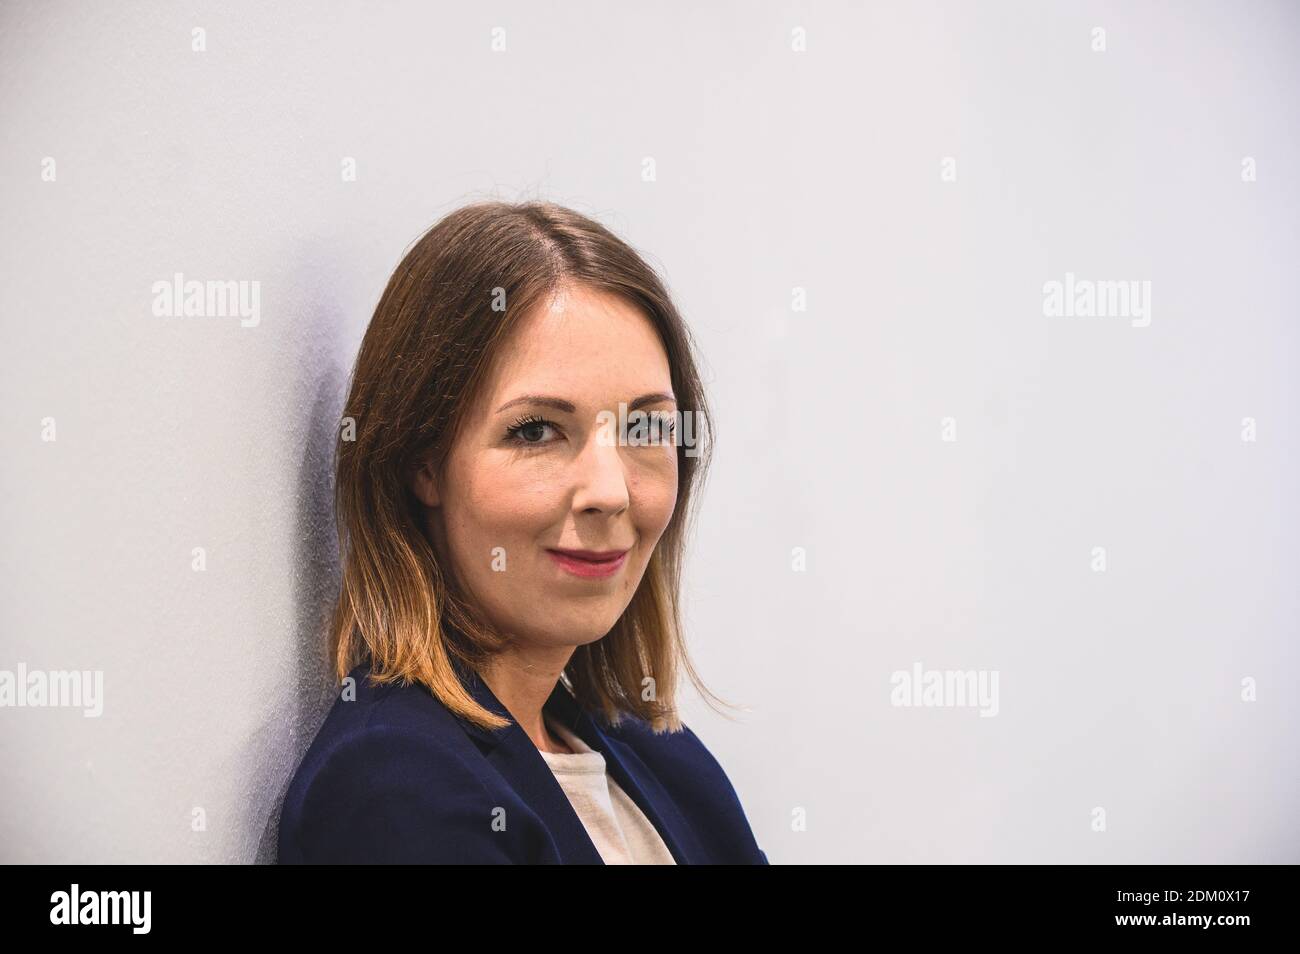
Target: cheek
[
  {"x": 656, "y": 498},
  {"x": 498, "y": 510}
]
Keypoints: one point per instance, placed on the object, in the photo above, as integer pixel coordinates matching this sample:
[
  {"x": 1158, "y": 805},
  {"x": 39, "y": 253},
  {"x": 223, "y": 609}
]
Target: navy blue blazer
[{"x": 395, "y": 777}]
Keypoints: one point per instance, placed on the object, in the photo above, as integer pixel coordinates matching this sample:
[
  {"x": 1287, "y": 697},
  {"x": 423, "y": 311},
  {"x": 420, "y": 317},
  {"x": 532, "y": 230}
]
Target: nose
[{"x": 601, "y": 479}]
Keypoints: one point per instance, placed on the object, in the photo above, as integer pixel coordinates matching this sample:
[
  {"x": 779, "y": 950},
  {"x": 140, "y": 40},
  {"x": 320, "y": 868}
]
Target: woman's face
[{"x": 529, "y": 476}]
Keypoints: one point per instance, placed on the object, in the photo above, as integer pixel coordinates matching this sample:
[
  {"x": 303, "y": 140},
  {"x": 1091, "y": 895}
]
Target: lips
[
  {"x": 594, "y": 556},
  {"x": 590, "y": 564}
]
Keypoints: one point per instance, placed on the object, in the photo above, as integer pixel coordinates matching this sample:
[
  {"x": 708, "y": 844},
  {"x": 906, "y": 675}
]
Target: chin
[
  {"x": 561, "y": 631},
  {"x": 582, "y": 632}
]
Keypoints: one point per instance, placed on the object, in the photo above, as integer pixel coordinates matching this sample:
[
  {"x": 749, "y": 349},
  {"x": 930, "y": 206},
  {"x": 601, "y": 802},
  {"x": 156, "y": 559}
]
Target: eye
[
  {"x": 525, "y": 432},
  {"x": 663, "y": 423}
]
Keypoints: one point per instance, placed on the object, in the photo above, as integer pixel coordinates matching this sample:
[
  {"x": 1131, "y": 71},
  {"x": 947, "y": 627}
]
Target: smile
[{"x": 589, "y": 565}]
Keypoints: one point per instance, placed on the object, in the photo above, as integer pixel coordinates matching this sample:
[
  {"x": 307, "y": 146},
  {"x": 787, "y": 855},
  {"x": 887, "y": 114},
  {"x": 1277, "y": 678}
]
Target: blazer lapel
[
  {"x": 632, "y": 776},
  {"x": 516, "y": 757}
]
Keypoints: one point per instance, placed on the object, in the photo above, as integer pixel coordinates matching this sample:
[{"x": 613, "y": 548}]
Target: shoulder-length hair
[{"x": 422, "y": 362}]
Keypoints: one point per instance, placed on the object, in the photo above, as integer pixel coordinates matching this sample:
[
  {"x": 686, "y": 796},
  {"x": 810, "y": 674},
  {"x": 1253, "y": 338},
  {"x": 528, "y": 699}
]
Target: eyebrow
[{"x": 568, "y": 408}]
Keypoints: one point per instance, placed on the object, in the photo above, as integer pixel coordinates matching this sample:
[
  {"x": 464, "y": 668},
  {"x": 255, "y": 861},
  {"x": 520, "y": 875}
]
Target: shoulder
[
  {"x": 697, "y": 784},
  {"x": 391, "y": 778}
]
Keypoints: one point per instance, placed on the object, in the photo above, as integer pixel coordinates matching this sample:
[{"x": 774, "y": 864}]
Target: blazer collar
[
  {"x": 516, "y": 757},
  {"x": 560, "y": 705}
]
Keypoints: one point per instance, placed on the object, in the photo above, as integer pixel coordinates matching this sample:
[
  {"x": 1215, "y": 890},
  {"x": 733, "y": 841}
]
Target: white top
[{"x": 618, "y": 828}]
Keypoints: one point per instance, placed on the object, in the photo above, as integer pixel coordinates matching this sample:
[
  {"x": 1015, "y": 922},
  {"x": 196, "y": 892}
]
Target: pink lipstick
[{"x": 591, "y": 564}]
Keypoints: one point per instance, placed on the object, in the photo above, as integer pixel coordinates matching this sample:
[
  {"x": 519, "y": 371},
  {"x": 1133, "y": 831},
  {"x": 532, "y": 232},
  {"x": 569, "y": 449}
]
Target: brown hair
[{"x": 424, "y": 357}]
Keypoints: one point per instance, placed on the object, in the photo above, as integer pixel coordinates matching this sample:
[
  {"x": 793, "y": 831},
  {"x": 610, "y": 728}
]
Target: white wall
[{"x": 775, "y": 170}]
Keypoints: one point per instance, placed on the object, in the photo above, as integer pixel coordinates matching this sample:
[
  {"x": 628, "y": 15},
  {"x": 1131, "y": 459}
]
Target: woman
[{"x": 517, "y": 458}]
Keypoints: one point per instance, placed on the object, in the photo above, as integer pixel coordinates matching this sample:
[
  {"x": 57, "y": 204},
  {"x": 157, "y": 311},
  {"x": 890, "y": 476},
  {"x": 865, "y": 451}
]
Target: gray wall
[{"x": 775, "y": 170}]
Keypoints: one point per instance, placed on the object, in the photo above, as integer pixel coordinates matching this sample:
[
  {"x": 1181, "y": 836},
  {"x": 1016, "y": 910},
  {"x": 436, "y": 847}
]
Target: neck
[{"x": 523, "y": 678}]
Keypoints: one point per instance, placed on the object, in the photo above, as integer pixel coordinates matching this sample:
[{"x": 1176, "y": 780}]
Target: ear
[{"x": 424, "y": 483}]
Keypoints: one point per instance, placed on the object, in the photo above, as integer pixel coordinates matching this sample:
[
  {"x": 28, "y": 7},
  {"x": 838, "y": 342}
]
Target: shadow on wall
[{"x": 294, "y": 721}]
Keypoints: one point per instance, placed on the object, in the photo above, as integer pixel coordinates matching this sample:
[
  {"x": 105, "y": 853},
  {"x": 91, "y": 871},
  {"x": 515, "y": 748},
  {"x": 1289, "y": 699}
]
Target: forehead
[{"x": 582, "y": 344}]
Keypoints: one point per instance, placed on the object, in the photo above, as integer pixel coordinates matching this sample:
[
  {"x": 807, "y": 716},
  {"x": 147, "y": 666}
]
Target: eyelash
[{"x": 512, "y": 432}]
